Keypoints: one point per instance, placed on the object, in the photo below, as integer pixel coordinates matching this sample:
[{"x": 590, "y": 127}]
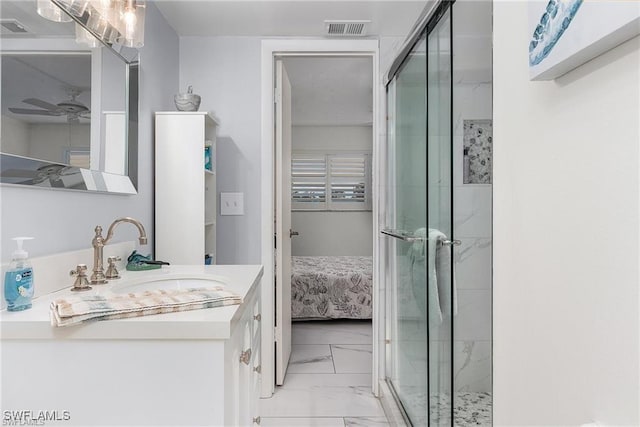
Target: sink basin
[{"x": 166, "y": 284}]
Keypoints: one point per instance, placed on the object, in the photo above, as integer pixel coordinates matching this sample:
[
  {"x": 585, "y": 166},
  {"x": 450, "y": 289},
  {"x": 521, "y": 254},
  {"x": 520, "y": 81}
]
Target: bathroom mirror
[{"x": 69, "y": 111}]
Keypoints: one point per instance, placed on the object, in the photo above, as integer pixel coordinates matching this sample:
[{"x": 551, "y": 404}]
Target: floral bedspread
[{"x": 331, "y": 287}]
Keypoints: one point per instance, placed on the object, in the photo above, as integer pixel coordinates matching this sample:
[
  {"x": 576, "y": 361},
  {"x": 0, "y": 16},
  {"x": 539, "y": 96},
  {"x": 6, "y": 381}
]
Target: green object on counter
[
  {"x": 138, "y": 262},
  {"x": 142, "y": 267}
]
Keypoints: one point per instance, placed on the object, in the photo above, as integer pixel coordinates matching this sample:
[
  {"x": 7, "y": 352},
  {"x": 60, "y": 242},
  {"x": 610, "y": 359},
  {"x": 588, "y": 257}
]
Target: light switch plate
[{"x": 231, "y": 203}]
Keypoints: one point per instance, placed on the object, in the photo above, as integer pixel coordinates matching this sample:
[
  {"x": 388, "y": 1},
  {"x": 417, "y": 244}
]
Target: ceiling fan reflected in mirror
[{"x": 72, "y": 108}]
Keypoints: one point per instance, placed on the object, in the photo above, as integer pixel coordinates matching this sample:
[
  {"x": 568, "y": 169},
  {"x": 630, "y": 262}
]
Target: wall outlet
[{"x": 231, "y": 203}]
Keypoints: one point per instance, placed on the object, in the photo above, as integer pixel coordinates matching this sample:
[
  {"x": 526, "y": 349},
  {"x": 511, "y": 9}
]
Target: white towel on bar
[
  {"x": 440, "y": 271},
  {"x": 440, "y": 295}
]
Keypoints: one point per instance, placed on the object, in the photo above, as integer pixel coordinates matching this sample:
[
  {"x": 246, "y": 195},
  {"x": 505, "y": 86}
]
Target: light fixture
[
  {"x": 86, "y": 38},
  {"x": 50, "y": 11},
  {"x": 119, "y": 22},
  {"x": 76, "y": 7},
  {"x": 100, "y": 25},
  {"x": 126, "y": 17},
  {"x": 132, "y": 29}
]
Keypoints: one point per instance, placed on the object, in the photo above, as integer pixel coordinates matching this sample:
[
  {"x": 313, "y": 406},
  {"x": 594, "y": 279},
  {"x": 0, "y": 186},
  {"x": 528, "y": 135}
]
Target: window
[
  {"x": 308, "y": 181},
  {"x": 332, "y": 182}
]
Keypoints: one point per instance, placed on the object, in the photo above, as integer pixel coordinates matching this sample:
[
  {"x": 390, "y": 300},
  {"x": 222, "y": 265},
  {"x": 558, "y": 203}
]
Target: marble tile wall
[{"x": 472, "y": 224}]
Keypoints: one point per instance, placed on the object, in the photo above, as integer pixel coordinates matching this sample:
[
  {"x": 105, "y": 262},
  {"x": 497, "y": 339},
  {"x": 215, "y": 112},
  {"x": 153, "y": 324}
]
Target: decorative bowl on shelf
[{"x": 187, "y": 101}]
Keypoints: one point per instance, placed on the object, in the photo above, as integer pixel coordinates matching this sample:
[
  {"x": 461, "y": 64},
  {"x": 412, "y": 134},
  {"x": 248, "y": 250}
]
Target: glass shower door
[
  {"x": 407, "y": 229},
  {"x": 420, "y": 229},
  {"x": 440, "y": 220}
]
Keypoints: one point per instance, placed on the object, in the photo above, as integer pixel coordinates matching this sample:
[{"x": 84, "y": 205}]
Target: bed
[{"x": 331, "y": 287}]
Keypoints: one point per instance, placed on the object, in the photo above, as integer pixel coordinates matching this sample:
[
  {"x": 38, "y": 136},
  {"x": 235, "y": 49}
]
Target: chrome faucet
[{"x": 100, "y": 242}]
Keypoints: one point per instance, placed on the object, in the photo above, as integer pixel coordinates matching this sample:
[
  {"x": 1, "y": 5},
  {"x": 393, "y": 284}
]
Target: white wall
[
  {"x": 64, "y": 220},
  {"x": 566, "y": 249},
  {"x": 48, "y": 140},
  {"x": 332, "y": 233},
  {"x": 42, "y": 140},
  {"x": 108, "y": 97},
  {"x": 15, "y": 136},
  {"x": 332, "y": 138}
]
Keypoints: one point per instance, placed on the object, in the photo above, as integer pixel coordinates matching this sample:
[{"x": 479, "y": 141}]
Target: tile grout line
[
  {"x": 335, "y": 373},
  {"x": 333, "y": 361}
]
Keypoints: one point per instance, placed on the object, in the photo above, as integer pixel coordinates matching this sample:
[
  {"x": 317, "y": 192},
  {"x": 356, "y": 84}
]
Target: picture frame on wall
[{"x": 565, "y": 34}]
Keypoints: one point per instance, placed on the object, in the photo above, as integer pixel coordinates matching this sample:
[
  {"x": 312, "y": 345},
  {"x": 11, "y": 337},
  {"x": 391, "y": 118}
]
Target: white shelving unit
[{"x": 185, "y": 202}]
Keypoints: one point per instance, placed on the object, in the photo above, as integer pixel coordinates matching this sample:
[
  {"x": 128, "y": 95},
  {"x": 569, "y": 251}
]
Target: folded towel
[{"x": 78, "y": 309}]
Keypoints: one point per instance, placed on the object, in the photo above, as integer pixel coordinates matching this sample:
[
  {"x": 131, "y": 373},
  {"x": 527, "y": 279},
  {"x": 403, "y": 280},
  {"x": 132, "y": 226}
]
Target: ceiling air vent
[
  {"x": 346, "y": 28},
  {"x": 11, "y": 26}
]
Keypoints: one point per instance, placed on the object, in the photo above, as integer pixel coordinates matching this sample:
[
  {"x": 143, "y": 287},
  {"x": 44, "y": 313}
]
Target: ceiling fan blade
[
  {"x": 35, "y": 112},
  {"x": 42, "y": 104}
]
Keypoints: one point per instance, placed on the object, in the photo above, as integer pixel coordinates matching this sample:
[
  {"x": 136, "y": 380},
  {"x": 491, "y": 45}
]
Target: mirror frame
[{"x": 93, "y": 180}]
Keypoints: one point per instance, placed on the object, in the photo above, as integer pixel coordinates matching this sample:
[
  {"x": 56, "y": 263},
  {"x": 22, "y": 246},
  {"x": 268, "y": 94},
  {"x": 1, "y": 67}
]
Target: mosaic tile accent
[
  {"x": 478, "y": 151},
  {"x": 471, "y": 409}
]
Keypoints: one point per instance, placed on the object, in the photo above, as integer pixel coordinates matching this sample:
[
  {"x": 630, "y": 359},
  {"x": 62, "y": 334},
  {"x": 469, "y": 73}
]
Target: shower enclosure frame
[{"x": 429, "y": 19}]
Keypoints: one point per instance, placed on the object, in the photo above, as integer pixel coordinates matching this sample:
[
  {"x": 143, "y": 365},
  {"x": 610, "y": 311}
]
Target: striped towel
[{"x": 78, "y": 309}]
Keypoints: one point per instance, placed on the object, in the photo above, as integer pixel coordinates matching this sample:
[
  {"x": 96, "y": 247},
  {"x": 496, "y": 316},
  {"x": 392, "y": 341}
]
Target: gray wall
[
  {"x": 64, "y": 220},
  {"x": 226, "y": 72}
]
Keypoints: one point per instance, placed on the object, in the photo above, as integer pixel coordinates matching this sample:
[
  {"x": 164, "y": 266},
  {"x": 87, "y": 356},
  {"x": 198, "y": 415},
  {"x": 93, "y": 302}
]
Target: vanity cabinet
[
  {"x": 191, "y": 368},
  {"x": 185, "y": 189},
  {"x": 243, "y": 370}
]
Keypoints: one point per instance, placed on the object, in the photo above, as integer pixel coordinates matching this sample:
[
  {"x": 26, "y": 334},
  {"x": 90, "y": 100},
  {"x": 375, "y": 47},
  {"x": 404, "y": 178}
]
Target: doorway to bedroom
[
  {"x": 324, "y": 163},
  {"x": 331, "y": 214}
]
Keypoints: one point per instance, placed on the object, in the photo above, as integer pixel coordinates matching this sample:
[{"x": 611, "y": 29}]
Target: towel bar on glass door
[
  {"x": 403, "y": 235},
  {"x": 408, "y": 237}
]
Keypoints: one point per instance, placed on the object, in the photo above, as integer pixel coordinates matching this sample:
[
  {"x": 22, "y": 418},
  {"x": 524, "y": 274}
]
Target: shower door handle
[
  {"x": 451, "y": 242},
  {"x": 403, "y": 235}
]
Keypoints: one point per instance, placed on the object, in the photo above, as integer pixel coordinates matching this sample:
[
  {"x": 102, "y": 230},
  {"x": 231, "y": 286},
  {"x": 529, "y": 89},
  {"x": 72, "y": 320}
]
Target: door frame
[{"x": 311, "y": 47}]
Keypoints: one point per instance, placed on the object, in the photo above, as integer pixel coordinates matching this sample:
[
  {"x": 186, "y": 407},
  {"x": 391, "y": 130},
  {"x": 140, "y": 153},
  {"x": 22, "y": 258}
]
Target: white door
[{"x": 283, "y": 221}]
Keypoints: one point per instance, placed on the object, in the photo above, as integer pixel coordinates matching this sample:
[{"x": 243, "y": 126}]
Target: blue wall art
[
  {"x": 565, "y": 34},
  {"x": 554, "y": 21}
]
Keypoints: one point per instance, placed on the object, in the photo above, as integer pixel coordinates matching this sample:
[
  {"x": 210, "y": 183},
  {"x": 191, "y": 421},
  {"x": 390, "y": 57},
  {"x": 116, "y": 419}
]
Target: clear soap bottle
[{"x": 18, "y": 280}]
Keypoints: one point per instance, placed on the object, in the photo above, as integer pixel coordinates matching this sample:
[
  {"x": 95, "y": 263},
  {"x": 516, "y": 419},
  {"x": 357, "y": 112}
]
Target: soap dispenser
[{"x": 18, "y": 280}]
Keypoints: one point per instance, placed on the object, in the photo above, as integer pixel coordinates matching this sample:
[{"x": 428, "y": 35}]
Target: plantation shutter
[
  {"x": 330, "y": 181},
  {"x": 308, "y": 181},
  {"x": 348, "y": 181}
]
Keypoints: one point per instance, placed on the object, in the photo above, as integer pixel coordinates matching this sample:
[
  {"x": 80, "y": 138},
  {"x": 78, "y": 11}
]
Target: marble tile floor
[{"x": 328, "y": 382}]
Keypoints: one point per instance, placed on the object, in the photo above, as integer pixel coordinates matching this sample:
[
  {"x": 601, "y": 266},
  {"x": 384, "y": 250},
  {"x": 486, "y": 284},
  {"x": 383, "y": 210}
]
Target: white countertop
[{"x": 210, "y": 324}]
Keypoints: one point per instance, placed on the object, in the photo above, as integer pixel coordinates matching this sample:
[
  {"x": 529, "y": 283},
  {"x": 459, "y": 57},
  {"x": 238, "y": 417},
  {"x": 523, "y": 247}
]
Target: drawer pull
[
  {"x": 256, "y": 420},
  {"x": 245, "y": 356},
  {"x": 258, "y": 317},
  {"x": 258, "y": 369}
]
